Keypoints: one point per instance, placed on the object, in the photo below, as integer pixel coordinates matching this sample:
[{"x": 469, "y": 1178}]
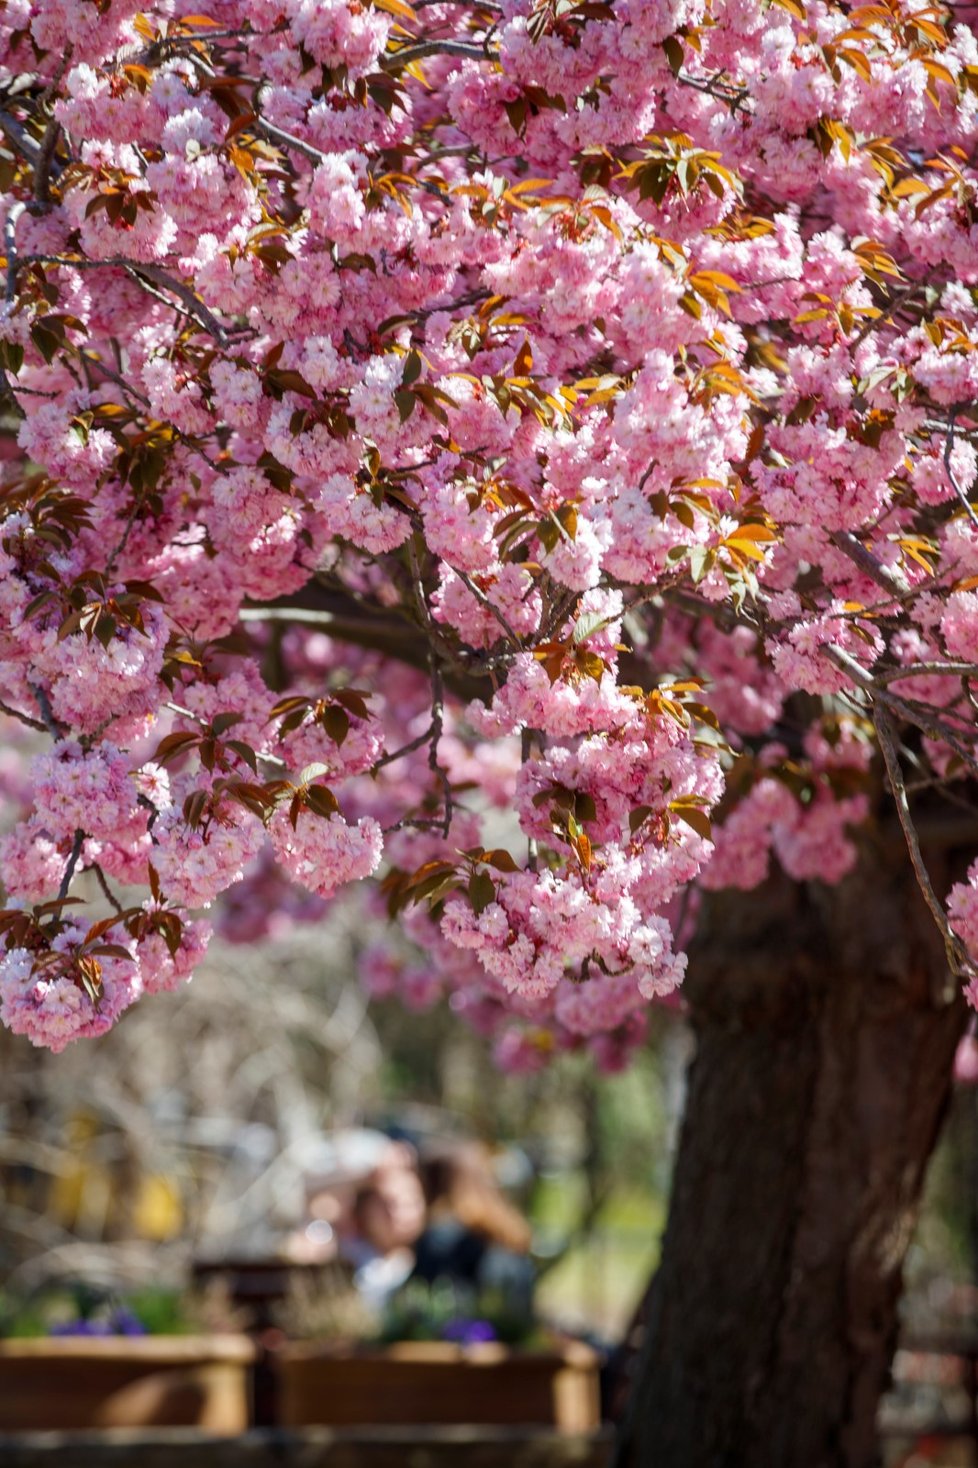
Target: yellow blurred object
[
  {"x": 81, "y": 1198},
  {"x": 157, "y": 1213},
  {"x": 91, "y": 1198}
]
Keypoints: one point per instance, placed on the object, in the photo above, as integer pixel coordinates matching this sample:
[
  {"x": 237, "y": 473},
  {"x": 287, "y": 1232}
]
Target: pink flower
[{"x": 325, "y": 854}]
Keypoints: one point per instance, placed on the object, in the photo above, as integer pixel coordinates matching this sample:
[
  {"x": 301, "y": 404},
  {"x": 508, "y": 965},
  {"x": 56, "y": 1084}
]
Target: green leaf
[
  {"x": 313, "y": 772},
  {"x": 412, "y": 369},
  {"x": 46, "y": 342},
  {"x": 584, "y": 807},
  {"x": 701, "y": 561},
  {"x": 590, "y": 664},
  {"x": 404, "y": 400},
  {"x": 322, "y": 801},
  {"x": 245, "y": 752},
  {"x": 434, "y": 885},
  {"x": 675, "y": 55},
  {"x": 587, "y": 625},
  {"x": 482, "y": 891},
  {"x": 13, "y": 356},
  {"x": 353, "y": 699},
  {"x": 221, "y": 723},
  {"x": 336, "y": 722},
  {"x": 694, "y": 816}
]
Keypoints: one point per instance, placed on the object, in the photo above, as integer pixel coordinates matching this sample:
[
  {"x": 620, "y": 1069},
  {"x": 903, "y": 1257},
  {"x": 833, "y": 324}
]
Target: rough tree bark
[{"x": 826, "y": 1029}]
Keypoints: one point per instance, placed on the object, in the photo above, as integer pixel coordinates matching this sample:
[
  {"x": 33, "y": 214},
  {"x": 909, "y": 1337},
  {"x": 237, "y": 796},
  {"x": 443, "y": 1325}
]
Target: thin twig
[
  {"x": 24, "y": 718},
  {"x": 185, "y": 713},
  {"x": 415, "y": 823},
  {"x": 409, "y": 748},
  {"x": 870, "y": 565},
  {"x": 194, "y": 307},
  {"x": 50, "y": 722},
  {"x": 145, "y": 275},
  {"x": 10, "y": 247},
  {"x": 44, "y": 164},
  {"x": 18, "y": 137},
  {"x": 734, "y": 97},
  {"x": 437, "y": 724},
  {"x": 106, "y": 889},
  {"x": 957, "y": 955},
  {"x": 922, "y": 670},
  {"x": 69, "y": 872},
  {"x": 467, "y": 49},
  {"x": 923, "y": 716},
  {"x": 94, "y": 360},
  {"x": 526, "y": 750},
  {"x": 123, "y": 540},
  {"x": 948, "y": 450},
  {"x": 875, "y": 322},
  {"x": 490, "y": 606}
]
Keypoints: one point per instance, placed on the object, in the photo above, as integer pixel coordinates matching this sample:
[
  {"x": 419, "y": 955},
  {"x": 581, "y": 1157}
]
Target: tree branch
[
  {"x": 19, "y": 138},
  {"x": 194, "y": 307},
  {"x": 437, "y": 724},
  {"x": 106, "y": 889},
  {"x": 957, "y": 955},
  {"x": 926, "y": 670},
  {"x": 44, "y": 165},
  {"x": 423, "y": 49},
  {"x": 409, "y": 748},
  {"x": 13, "y": 713},
  {"x": 532, "y": 847},
  {"x": 278, "y": 134},
  {"x": 490, "y": 606},
  {"x": 922, "y": 715},
  {"x": 69, "y": 872},
  {"x": 10, "y": 247},
  {"x": 50, "y": 722},
  {"x": 884, "y": 576},
  {"x": 141, "y": 273},
  {"x": 952, "y": 413}
]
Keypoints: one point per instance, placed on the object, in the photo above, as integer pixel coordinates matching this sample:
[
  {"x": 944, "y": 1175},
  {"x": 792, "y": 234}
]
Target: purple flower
[
  {"x": 468, "y": 1332},
  {"x": 124, "y": 1322},
  {"x": 81, "y": 1327},
  {"x": 120, "y": 1322}
]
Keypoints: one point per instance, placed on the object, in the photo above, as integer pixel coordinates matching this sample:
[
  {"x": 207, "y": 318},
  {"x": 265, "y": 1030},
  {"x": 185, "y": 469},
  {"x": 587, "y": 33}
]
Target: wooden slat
[{"x": 446, "y": 1447}]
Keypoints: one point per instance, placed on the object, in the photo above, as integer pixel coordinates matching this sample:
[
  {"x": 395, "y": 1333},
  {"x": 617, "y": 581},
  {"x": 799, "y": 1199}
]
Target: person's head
[
  {"x": 389, "y": 1209},
  {"x": 458, "y": 1180}
]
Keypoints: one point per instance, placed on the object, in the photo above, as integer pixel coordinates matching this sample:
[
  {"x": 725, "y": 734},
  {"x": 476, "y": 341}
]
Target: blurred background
[
  {"x": 189, "y": 1132},
  {"x": 133, "y": 1168}
]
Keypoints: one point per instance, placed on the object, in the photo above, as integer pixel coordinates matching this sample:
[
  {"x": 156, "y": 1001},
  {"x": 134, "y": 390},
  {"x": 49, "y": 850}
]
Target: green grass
[{"x": 598, "y": 1283}]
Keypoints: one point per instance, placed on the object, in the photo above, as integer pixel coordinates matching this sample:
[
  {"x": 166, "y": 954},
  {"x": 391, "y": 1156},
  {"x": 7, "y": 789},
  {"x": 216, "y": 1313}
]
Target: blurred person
[
  {"x": 341, "y": 1164},
  {"x": 473, "y": 1237},
  {"x": 389, "y": 1219}
]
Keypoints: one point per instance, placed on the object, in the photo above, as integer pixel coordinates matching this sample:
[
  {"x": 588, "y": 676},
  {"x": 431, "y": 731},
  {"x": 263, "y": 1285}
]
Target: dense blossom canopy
[{"x": 516, "y": 452}]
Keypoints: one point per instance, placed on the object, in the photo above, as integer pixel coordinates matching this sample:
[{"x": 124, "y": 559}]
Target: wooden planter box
[
  {"x": 77, "y": 1382},
  {"x": 418, "y": 1383}
]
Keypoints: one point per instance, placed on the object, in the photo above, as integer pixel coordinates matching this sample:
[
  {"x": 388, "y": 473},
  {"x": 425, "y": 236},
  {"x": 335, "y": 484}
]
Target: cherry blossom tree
[{"x": 520, "y": 454}]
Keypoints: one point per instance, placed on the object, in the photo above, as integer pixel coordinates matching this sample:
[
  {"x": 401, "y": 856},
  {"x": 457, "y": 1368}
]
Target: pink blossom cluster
[
  {"x": 324, "y": 855},
  {"x": 512, "y": 454}
]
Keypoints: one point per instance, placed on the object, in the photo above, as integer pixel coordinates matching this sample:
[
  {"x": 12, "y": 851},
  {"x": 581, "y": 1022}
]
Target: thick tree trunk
[{"x": 825, "y": 1033}]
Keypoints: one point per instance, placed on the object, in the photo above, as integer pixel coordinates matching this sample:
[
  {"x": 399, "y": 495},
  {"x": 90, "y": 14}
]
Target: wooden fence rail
[{"x": 395, "y": 1447}]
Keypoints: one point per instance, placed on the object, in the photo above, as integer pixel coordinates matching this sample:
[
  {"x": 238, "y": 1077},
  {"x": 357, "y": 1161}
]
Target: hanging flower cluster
[{"x": 520, "y": 453}]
